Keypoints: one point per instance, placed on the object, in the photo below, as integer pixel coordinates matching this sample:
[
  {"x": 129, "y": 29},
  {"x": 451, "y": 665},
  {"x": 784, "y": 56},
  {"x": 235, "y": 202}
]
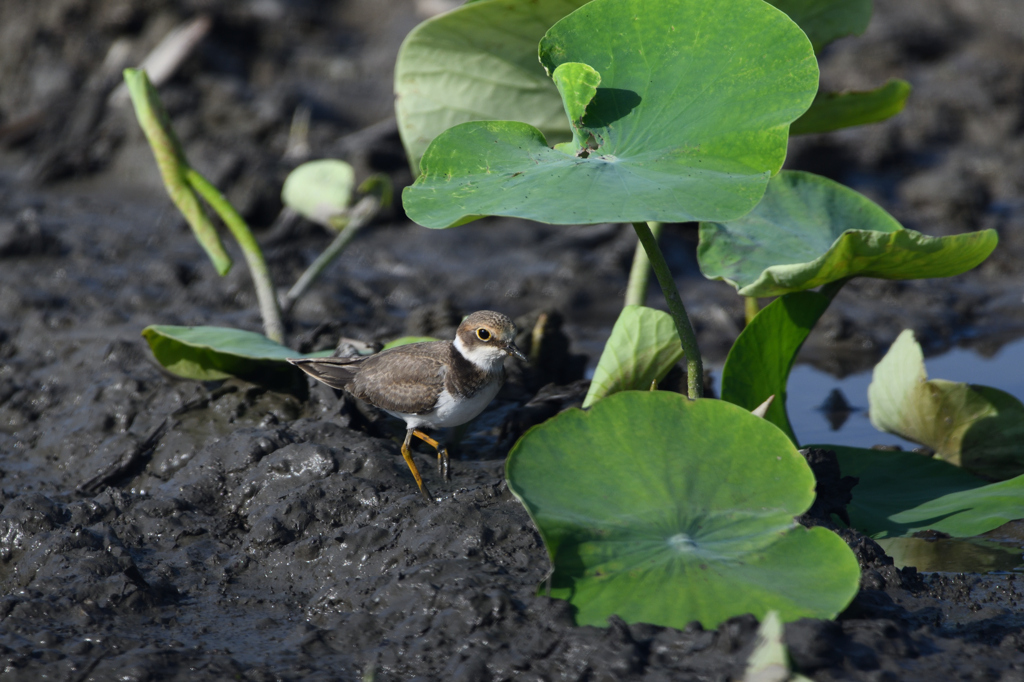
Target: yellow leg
[
  {"x": 442, "y": 454},
  {"x": 407, "y": 455}
]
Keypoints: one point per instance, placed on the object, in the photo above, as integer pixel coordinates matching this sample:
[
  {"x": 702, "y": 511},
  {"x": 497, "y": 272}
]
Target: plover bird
[{"x": 431, "y": 384}]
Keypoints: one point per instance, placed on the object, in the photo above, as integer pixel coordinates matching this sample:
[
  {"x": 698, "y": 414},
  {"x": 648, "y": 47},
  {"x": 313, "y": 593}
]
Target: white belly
[{"x": 450, "y": 412}]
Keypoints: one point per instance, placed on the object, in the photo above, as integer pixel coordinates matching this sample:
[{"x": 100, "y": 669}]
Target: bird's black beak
[{"x": 511, "y": 349}]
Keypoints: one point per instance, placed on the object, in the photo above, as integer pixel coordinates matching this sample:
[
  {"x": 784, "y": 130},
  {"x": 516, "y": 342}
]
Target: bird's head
[{"x": 486, "y": 338}]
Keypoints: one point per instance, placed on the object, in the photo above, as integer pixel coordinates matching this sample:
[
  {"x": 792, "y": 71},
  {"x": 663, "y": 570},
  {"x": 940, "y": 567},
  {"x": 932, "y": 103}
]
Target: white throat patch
[{"x": 487, "y": 358}]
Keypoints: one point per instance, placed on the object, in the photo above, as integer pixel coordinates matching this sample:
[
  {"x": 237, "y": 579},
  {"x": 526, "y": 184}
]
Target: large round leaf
[
  {"x": 664, "y": 510},
  {"x": 690, "y": 120},
  {"x": 477, "y": 63},
  {"x": 809, "y": 230}
]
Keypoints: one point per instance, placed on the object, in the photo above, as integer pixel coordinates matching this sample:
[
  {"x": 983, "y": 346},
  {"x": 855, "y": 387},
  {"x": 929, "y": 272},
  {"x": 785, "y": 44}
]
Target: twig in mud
[
  {"x": 125, "y": 462},
  {"x": 87, "y": 670},
  {"x": 360, "y": 215},
  {"x": 282, "y": 228},
  {"x": 132, "y": 457},
  {"x": 364, "y": 137},
  {"x": 297, "y": 147}
]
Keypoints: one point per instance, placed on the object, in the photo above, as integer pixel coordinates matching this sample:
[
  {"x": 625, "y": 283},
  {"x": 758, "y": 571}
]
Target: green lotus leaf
[
  {"x": 975, "y": 427},
  {"x": 826, "y": 20},
  {"x": 664, "y": 510},
  {"x": 690, "y": 120},
  {"x": 809, "y": 230},
  {"x": 320, "y": 191},
  {"x": 901, "y": 493},
  {"x": 642, "y": 348},
  {"x": 762, "y": 357},
  {"x": 214, "y": 353},
  {"x": 478, "y": 63},
  {"x": 834, "y": 110}
]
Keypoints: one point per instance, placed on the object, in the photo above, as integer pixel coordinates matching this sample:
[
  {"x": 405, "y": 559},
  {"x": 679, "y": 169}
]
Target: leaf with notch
[
  {"x": 663, "y": 510},
  {"x": 477, "y": 63},
  {"x": 690, "y": 120}
]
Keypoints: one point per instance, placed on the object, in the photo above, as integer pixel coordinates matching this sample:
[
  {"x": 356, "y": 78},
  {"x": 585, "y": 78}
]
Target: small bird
[{"x": 430, "y": 384}]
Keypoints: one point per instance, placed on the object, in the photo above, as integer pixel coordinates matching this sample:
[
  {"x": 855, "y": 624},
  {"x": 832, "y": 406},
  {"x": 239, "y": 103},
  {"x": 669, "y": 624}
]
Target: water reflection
[
  {"x": 954, "y": 555},
  {"x": 812, "y": 399},
  {"x": 824, "y": 409}
]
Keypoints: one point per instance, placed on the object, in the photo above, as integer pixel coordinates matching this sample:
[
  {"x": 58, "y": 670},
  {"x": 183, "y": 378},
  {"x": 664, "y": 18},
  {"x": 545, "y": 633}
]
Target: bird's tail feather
[{"x": 335, "y": 372}]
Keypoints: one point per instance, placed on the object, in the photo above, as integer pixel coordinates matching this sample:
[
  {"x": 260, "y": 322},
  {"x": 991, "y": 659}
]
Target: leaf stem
[
  {"x": 640, "y": 273},
  {"x": 694, "y": 366},
  {"x": 359, "y": 216},
  {"x": 751, "y": 307},
  {"x": 273, "y": 328},
  {"x": 170, "y": 159}
]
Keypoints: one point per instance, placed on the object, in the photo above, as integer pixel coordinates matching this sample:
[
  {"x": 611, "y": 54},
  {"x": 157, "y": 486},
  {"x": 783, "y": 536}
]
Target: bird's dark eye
[{"x": 483, "y": 334}]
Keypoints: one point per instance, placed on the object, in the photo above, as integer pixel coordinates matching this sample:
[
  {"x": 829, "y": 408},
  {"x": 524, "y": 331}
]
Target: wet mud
[{"x": 157, "y": 529}]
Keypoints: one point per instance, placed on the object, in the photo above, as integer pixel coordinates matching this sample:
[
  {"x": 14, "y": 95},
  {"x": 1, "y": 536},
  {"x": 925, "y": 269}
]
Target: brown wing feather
[
  {"x": 406, "y": 379},
  {"x": 335, "y": 372}
]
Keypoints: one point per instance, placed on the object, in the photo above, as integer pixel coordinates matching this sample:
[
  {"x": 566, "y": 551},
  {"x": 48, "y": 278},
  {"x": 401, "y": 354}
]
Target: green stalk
[
  {"x": 360, "y": 215},
  {"x": 694, "y": 366},
  {"x": 640, "y": 273},
  {"x": 273, "y": 328},
  {"x": 170, "y": 159},
  {"x": 751, "y": 307}
]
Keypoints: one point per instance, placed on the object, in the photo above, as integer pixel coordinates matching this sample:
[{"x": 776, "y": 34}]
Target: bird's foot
[
  {"x": 443, "y": 465},
  {"x": 407, "y": 455}
]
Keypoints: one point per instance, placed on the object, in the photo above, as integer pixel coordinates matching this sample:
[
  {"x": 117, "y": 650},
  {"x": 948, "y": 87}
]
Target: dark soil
[{"x": 154, "y": 528}]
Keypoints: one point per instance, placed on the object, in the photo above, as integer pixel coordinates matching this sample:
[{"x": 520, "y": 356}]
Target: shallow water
[
  {"x": 809, "y": 388},
  {"x": 955, "y": 555},
  {"x": 998, "y": 551}
]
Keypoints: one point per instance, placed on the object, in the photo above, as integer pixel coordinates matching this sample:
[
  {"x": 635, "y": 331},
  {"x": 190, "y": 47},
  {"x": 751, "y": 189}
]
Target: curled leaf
[
  {"x": 832, "y": 111},
  {"x": 902, "y": 493},
  {"x": 809, "y": 231},
  {"x": 641, "y": 350},
  {"x": 976, "y": 427}
]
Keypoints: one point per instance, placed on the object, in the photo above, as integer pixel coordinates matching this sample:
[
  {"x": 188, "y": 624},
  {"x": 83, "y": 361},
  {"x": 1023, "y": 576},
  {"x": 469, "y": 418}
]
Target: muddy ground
[{"x": 154, "y": 528}]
